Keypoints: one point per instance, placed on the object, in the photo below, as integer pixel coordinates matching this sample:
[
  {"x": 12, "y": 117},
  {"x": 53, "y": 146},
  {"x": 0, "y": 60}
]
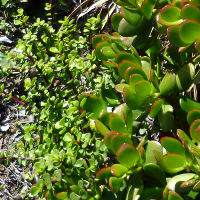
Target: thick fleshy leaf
[
  {"x": 155, "y": 172},
  {"x": 92, "y": 104},
  {"x": 97, "y": 39},
  {"x": 105, "y": 118},
  {"x": 107, "y": 139},
  {"x": 193, "y": 115},
  {"x": 62, "y": 195},
  {"x": 147, "y": 8},
  {"x": 108, "y": 52},
  {"x": 174, "y": 36},
  {"x": 189, "y": 30},
  {"x": 116, "y": 18},
  {"x": 166, "y": 117},
  {"x": 133, "y": 79},
  {"x": 146, "y": 66},
  {"x": 168, "y": 84},
  {"x": 174, "y": 196},
  {"x": 173, "y": 162},
  {"x": 143, "y": 88},
  {"x": 118, "y": 139},
  {"x": 155, "y": 108},
  {"x": 117, "y": 123},
  {"x": 115, "y": 184},
  {"x": 118, "y": 170},
  {"x": 98, "y": 50},
  {"x": 185, "y": 76},
  {"x": 101, "y": 128},
  {"x": 151, "y": 192},
  {"x": 124, "y": 111},
  {"x": 133, "y": 70},
  {"x": 152, "y": 147},
  {"x": 126, "y": 29},
  {"x": 120, "y": 87},
  {"x": 104, "y": 173},
  {"x": 132, "y": 16},
  {"x": 170, "y": 15},
  {"x": 183, "y": 136},
  {"x": 132, "y": 100},
  {"x": 123, "y": 66},
  {"x": 123, "y": 55},
  {"x": 188, "y": 104},
  {"x": 195, "y": 130},
  {"x": 172, "y": 145},
  {"x": 127, "y": 155},
  {"x": 109, "y": 64},
  {"x": 190, "y": 11},
  {"x": 174, "y": 183}
]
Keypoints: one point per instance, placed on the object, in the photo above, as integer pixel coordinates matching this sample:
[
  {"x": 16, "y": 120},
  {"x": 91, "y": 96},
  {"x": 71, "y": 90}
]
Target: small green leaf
[
  {"x": 54, "y": 50},
  {"x": 62, "y": 195},
  {"x": 34, "y": 190}
]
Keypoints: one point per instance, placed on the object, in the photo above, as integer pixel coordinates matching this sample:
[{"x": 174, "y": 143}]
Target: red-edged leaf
[
  {"x": 118, "y": 139},
  {"x": 170, "y": 15},
  {"x": 123, "y": 66},
  {"x": 193, "y": 115},
  {"x": 101, "y": 128},
  {"x": 104, "y": 173},
  {"x": 155, "y": 108},
  {"x": 173, "y": 162},
  {"x": 195, "y": 130},
  {"x": 118, "y": 170},
  {"x": 123, "y": 55},
  {"x": 107, "y": 139},
  {"x": 189, "y": 30},
  {"x": 127, "y": 155},
  {"x": 172, "y": 145}
]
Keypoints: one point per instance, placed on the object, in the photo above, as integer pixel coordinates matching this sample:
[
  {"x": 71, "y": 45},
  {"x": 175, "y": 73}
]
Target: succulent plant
[{"x": 153, "y": 54}]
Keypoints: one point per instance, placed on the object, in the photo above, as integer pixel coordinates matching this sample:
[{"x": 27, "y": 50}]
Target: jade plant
[{"x": 156, "y": 63}]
